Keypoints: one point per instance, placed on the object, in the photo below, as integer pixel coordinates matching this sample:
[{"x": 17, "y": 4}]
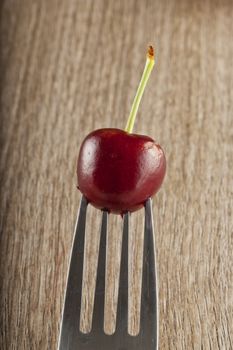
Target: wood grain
[{"x": 68, "y": 67}]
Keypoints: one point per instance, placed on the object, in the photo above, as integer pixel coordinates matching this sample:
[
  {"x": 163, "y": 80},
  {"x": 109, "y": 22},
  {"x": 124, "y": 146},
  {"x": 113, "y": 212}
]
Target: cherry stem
[{"x": 137, "y": 99}]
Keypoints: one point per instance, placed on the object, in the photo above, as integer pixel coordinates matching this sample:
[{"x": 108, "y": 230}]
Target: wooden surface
[{"x": 68, "y": 67}]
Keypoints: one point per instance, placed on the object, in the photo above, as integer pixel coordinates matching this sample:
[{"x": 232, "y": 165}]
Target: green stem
[{"x": 137, "y": 99}]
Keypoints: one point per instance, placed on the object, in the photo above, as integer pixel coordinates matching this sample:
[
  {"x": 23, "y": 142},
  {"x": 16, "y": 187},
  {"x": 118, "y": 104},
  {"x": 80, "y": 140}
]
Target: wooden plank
[{"x": 70, "y": 67}]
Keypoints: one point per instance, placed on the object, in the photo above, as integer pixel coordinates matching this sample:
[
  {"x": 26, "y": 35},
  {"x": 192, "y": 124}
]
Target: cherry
[{"x": 117, "y": 170}]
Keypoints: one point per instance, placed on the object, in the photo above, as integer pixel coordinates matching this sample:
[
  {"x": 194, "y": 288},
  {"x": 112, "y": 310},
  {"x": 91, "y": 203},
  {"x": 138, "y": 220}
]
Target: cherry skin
[{"x": 118, "y": 171}]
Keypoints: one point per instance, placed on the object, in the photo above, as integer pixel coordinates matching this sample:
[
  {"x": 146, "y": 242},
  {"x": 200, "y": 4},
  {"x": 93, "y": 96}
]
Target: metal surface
[{"x": 70, "y": 336}]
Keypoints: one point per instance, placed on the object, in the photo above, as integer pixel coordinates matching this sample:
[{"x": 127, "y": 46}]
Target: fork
[{"x": 71, "y": 338}]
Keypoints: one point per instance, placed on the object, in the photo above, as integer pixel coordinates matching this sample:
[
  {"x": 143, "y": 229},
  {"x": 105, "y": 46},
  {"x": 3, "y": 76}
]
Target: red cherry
[{"x": 118, "y": 171}]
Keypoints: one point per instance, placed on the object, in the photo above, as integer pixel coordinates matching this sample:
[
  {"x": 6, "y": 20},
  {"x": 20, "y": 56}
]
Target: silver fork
[{"x": 71, "y": 338}]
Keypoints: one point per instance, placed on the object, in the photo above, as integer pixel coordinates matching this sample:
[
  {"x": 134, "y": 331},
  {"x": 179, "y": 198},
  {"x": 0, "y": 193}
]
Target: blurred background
[{"x": 68, "y": 67}]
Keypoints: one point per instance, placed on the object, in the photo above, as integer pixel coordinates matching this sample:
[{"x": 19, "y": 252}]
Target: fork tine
[
  {"x": 72, "y": 305},
  {"x": 98, "y": 313},
  {"x": 149, "y": 298},
  {"x": 122, "y": 307}
]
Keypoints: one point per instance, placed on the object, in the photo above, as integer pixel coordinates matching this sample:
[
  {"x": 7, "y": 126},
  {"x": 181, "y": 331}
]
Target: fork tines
[{"x": 71, "y": 338}]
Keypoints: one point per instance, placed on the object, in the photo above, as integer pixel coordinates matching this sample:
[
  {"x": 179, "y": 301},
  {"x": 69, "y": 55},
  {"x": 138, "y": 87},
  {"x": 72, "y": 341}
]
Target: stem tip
[{"x": 150, "y": 53}]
